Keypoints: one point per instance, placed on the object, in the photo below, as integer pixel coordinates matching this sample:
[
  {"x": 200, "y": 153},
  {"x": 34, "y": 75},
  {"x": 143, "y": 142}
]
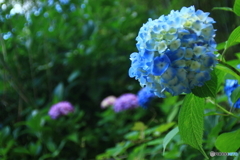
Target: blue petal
[
  {"x": 208, "y": 59},
  {"x": 200, "y": 78},
  {"x": 157, "y": 28},
  {"x": 188, "y": 40},
  {"x": 202, "y": 15},
  {"x": 148, "y": 55},
  {"x": 230, "y": 85},
  {"x": 237, "y": 104},
  {"x": 175, "y": 55},
  {"x": 181, "y": 74},
  {"x": 160, "y": 65},
  {"x": 177, "y": 89},
  {"x": 168, "y": 74},
  {"x": 188, "y": 54},
  {"x": 197, "y": 27},
  {"x": 199, "y": 50},
  {"x": 150, "y": 45},
  {"x": 182, "y": 32},
  {"x": 207, "y": 32},
  {"x": 175, "y": 44},
  {"x": 195, "y": 66},
  {"x": 132, "y": 72}
]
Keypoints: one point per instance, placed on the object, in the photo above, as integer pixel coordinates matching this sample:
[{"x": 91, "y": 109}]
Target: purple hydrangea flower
[
  {"x": 125, "y": 102},
  {"x": 145, "y": 97},
  {"x": 59, "y": 109},
  {"x": 108, "y": 101},
  {"x": 230, "y": 86}
]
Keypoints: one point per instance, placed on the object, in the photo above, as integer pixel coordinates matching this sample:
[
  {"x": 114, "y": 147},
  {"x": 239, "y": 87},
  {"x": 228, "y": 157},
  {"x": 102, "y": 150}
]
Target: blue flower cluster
[
  {"x": 125, "y": 102},
  {"x": 145, "y": 97},
  {"x": 175, "y": 52},
  {"x": 230, "y": 86}
]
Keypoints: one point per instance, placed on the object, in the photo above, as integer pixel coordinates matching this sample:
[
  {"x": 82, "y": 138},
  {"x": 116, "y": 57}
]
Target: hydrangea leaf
[
  {"x": 209, "y": 89},
  {"x": 169, "y": 137},
  {"x": 236, "y": 7},
  {"x": 228, "y": 70},
  {"x": 164, "y": 127},
  {"x": 58, "y": 92},
  {"x": 190, "y": 121},
  {"x": 220, "y": 46},
  {"x": 228, "y": 142},
  {"x": 234, "y": 38},
  {"x": 220, "y": 78},
  {"x": 235, "y": 95}
]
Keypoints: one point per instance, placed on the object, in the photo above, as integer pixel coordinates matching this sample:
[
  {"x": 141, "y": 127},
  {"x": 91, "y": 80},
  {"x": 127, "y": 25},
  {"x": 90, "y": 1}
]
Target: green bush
[{"x": 78, "y": 51}]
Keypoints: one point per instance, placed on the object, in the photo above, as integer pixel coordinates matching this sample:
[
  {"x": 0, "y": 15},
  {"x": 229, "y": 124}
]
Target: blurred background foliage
[{"x": 78, "y": 50}]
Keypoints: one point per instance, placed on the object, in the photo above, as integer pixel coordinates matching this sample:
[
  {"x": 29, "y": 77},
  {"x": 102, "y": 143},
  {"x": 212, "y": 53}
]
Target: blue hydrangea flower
[
  {"x": 145, "y": 97},
  {"x": 230, "y": 86},
  {"x": 59, "y": 109},
  {"x": 238, "y": 66},
  {"x": 175, "y": 52},
  {"x": 125, "y": 102}
]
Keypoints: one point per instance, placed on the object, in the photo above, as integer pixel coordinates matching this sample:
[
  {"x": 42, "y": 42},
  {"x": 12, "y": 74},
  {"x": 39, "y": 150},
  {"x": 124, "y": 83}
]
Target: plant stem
[
  {"x": 224, "y": 51},
  {"x": 223, "y": 109},
  {"x": 230, "y": 67}
]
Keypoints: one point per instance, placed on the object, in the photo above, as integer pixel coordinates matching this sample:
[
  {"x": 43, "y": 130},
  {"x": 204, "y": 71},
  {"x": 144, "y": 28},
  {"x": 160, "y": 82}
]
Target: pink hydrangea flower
[{"x": 108, "y": 101}]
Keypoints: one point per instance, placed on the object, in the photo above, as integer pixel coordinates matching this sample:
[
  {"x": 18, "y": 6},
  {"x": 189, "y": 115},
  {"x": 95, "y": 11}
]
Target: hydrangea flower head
[
  {"x": 175, "y": 52},
  {"x": 125, "y": 102},
  {"x": 230, "y": 86},
  {"x": 59, "y": 109},
  {"x": 108, "y": 101},
  {"x": 145, "y": 97}
]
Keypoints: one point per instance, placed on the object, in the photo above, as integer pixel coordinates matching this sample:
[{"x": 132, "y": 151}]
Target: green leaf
[
  {"x": 174, "y": 111},
  {"x": 73, "y": 137},
  {"x": 35, "y": 148},
  {"x": 73, "y": 76},
  {"x": 209, "y": 89},
  {"x": 169, "y": 137},
  {"x": 235, "y": 95},
  {"x": 220, "y": 77},
  {"x": 139, "y": 126},
  {"x": 228, "y": 142},
  {"x": 212, "y": 135},
  {"x": 155, "y": 142},
  {"x": 132, "y": 135},
  {"x": 227, "y": 70},
  {"x": 223, "y": 8},
  {"x": 51, "y": 146},
  {"x": 59, "y": 91},
  {"x": 190, "y": 120},
  {"x": 236, "y": 7},
  {"x": 21, "y": 150},
  {"x": 234, "y": 38},
  {"x": 35, "y": 122},
  {"x": 4, "y": 150},
  {"x": 164, "y": 127},
  {"x": 220, "y": 46}
]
